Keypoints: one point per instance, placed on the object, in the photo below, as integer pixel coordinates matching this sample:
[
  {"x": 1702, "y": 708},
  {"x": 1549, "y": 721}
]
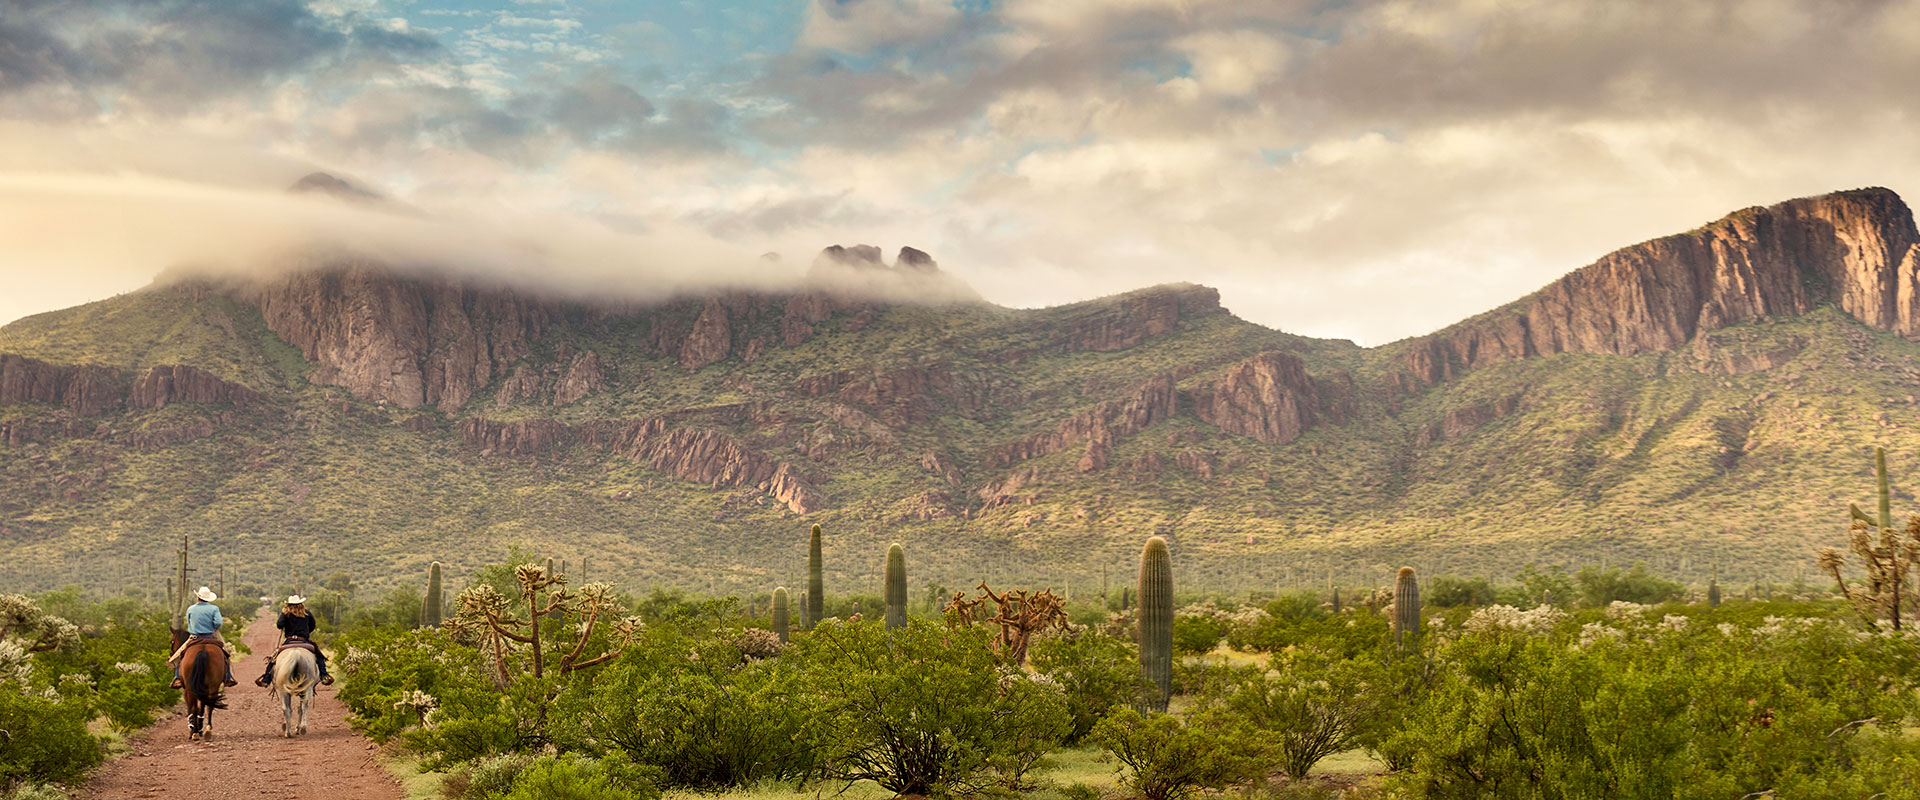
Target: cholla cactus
[
  {"x": 35, "y": 630},
  {"x": 1887, "y": 554},
  {"x": 486, "y": 614}
]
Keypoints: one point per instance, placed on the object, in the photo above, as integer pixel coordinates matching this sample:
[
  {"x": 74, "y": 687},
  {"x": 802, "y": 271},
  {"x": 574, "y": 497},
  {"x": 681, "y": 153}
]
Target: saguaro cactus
[
  {"x": 780, "y": 613},
  {"x": 1713, "y": 593},
  {"x": 1336, "y": 599},
  {"x": 816, "y": 582},
  {"x": 1155, "y": 630},
  {"x": 896, "y": 587},
  {"x": 806, "y": 621},
  {"x": 1888, "y": 555},
  {"x": 1406, "y": 609},
  {"x": 430, "y": 606}
]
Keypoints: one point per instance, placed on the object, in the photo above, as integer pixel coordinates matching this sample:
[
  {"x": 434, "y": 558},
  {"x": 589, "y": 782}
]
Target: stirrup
[
  {"x": 263, "y": 681},
  {"x": 177, "y": 684},
  {"x": 326, "y": 680}
]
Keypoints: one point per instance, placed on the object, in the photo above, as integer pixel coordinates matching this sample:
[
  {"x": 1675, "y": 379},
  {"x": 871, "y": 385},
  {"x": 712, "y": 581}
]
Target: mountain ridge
[{"x": 967, "y": 424}]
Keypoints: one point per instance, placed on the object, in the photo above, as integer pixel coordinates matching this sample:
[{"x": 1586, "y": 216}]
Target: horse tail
[
  {"x": 198, "y": 684},
  {"x": 297, "y": 672}
]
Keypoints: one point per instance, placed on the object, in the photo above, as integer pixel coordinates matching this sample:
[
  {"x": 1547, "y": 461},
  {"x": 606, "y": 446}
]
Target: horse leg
[
  {"x": 193, "y": 721},
  {"x": 286, "y": 714},
  {"x": 306, "y": 704}
]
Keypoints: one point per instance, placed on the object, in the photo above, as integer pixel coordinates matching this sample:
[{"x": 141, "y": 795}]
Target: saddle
[
  {"x": 294, "y": 644},
  {"x": 201, "y": 642}
]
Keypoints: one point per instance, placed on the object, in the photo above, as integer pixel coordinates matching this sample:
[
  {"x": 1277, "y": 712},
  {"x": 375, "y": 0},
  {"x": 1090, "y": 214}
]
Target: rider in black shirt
[{"x": 296, "y": 624}]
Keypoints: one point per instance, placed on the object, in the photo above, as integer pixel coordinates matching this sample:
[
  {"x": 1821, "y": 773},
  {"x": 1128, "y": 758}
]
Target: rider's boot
[
  {"x": 177, "y": 684},
  {"x": 266, "y": 677}
]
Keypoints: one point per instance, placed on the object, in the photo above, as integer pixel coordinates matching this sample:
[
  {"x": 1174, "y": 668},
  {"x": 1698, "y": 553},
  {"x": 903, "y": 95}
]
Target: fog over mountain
[{"x": 1363, "y": 170}]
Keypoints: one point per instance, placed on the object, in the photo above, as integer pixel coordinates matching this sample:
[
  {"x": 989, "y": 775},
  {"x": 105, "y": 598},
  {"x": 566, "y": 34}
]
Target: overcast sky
[{"x": 1366, "y": 170}]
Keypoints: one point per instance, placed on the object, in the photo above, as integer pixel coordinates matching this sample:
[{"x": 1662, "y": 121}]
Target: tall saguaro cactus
[
  {"x": 431, "y": 613},
  {"x": 896, "y": 587},
  {"x": 816, "y": 582},
  {"x": 1406, "y": 609},
  {"x": 1888, "y": 555},
  {"x": 806, "y": 622},
  {"x": 1156, "y": 622},
  {"x": 1713, "y": 592},
  {"x": 780, "y": 613},
  {"x": 180, "y": 592}
]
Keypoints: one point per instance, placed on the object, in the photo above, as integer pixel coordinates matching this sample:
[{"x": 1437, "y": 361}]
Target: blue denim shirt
[{"x": 203, "y": 618}]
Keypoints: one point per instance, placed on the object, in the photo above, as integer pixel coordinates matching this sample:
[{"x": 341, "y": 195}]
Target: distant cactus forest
[{"x": 539, "y": 677}]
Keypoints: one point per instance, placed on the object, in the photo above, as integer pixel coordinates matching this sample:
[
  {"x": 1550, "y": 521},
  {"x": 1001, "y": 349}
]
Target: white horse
[{"x": 295, "y": 673}]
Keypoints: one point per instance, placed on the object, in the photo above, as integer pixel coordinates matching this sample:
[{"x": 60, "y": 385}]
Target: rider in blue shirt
[{"x": 203, "y": 621}]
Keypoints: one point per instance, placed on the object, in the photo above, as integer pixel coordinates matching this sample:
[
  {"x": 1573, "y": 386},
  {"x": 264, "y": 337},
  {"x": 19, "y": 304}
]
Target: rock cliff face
[
  {"x": 1098, "y": 427},
  {"x": 711, "y": 338},
  {"x": 585, "y": 376},
  {"x": 397, "y": 340},
  {"x": 1137, "y": 317},
  {"x": 179, "y": 383},
  {"x": 519, "y": 437},
  {"x": 86, "y": 390},
  {"x": 714, "y": 458},
  {"x": 1268, "y": 397},
  {"x": 1857, "y": 250}
]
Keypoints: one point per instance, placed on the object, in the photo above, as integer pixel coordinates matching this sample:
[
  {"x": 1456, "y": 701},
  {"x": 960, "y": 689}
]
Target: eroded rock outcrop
[
  {"x": 519, "y": 437},
  {"x": 398, "y": 340},
  {"x": 1857, "y": 250},
  {"x": 711, "y": 338},
  {"x": 1136, "y": 317},
  {"x": 85, "y": 389},
  {"x": 178, "y": 383},
  {"x": 712, "y": 457},
  {"x": 585, "y": 376},
  {"x": 1096, "y": 428},
  {"x": 1268, "y": 397}
]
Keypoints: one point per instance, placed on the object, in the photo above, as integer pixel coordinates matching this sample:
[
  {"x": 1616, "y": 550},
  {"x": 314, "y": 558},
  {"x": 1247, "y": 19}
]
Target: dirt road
[{"x": 247, "y": 758}]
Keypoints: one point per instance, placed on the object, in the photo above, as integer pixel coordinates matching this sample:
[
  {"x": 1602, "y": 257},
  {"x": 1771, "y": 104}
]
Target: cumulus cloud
[{"x": 1368, "y": 170}]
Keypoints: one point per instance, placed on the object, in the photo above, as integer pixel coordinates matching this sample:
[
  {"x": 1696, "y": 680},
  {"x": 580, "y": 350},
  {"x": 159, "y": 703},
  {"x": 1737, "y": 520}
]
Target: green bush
[
  {"x": 694, "y": 708},
  {"x": 1446, "y": 591},
  {"x": 1194, "y": 634},
  {"x": 576, "y": 778},
  {"x": 46, "y": 736},
  {"x": 1599, "y": 587},
  {"x": 1310, "y": 705},
  {"x": 923, "y": 709},
  {"x": 1662, "y": 710},
  {"x": 1099, "y": 673},
  {"x": 1167, "y": 758}
]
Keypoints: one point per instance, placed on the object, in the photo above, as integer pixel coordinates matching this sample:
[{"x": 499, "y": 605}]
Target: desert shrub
[
  {"x": 576, "y": 778},
  {"x": 35, "y": 791},
  {"x": 483, "y": 778},
  {"x": 922, "y": 710},
  {"x": 1097, "y": 672},
  {"x": 1166, "y": 757},
  {"x": 1310, "y": 705},
  {"x": 1349, "y": 634},
  {"x": 1640, "y": 707},
  {"x": 1197, "y": 633},
  {"x": 46, "y": 735},
  {"x": 1446, "y": 591},
  {"x": 695, "y": 708},
  {"x": 1601, "y": 587}
]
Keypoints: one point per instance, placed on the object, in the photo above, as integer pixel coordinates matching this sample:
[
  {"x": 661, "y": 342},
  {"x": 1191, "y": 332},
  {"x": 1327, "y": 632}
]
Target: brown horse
[{"x": 203, "y": 671}]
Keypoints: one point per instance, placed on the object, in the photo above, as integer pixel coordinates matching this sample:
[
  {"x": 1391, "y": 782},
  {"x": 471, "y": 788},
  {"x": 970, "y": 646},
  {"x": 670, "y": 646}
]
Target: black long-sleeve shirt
[{"x": 293, "y": 626}]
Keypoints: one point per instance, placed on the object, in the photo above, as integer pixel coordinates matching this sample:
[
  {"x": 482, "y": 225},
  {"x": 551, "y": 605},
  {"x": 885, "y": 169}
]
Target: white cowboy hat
[
  {"x": 206, "y": 594},
  {"x": 294, "y": 600}
]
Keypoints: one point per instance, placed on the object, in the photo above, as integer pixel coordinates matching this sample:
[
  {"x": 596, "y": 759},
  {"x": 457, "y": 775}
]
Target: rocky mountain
[{"x": 1703, "y": 401}]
